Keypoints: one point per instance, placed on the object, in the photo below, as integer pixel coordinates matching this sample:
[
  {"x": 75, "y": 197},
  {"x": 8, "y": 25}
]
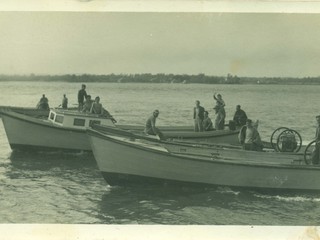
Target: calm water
[{"x": 58, "y": 187}]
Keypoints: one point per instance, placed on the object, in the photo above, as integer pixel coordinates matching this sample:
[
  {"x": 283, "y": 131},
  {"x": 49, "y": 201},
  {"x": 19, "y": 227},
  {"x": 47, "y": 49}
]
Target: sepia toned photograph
[{"x": 164, "y": 119}]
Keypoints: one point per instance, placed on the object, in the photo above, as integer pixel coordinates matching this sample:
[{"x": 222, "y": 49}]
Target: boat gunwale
[
  {"x": 186, "y": 135},
  {"x": 125, "y": 129},
  {"x": 225, "y": 147}
]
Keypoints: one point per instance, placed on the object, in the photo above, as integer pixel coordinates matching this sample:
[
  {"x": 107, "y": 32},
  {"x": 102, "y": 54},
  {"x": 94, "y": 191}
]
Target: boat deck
[{"x": 221, "y": 154}]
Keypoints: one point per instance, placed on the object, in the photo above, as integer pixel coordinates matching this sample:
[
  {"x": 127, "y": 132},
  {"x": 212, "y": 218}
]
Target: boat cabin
[{"x": 77, "y": 120}]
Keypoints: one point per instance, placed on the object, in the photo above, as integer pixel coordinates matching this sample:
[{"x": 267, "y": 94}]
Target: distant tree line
[{"x": 161, "y": 78}]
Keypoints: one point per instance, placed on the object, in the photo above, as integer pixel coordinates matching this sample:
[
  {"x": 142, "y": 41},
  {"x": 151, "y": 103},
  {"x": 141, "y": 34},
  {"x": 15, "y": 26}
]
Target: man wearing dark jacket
[{"x": 240, "y": 117}]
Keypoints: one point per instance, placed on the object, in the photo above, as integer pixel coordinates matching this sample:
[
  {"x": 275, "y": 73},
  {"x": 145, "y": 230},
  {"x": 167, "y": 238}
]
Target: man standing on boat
[
  {"x": 198, "y": 116},
  {"x": 151, "y": 128},
  {"x": 82, "y": 94},
  {"x": 249, "y": 137},
  {"x": 316, "y": 151},
  {"x": 240, "y": 116},
  {"x": 64, "y": 102},
  {"x": 220, "y": 112}
]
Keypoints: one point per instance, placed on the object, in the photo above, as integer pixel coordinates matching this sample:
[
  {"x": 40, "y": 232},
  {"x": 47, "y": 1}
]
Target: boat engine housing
[{"x": 287, "y": 142}]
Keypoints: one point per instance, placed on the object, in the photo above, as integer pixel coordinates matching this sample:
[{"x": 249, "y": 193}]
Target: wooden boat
[
  {"x": 126, "y": 159},
  {"x": 29, "y": 128},
  {"x": 62, "y": 129}
]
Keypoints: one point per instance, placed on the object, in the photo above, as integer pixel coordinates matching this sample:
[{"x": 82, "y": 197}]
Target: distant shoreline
[{"x": 163, "y": 78}]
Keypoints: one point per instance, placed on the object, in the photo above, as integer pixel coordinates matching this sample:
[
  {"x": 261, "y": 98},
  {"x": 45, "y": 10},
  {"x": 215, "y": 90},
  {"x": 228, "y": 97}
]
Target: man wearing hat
[{"x": 151, "y": 125}]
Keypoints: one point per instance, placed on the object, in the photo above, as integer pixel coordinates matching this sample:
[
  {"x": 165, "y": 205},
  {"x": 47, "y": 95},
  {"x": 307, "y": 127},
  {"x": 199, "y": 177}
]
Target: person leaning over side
[
  {"x": 249, "y": 137},
  {"x": 207, "y": 123},
  {"x": 151, "y": 128},
  {"x": 82, "y": 94},
  {"x": 240, "y": 116},
  {"x": 315, "y": 156},
  {"x": 198, "y": 116}
]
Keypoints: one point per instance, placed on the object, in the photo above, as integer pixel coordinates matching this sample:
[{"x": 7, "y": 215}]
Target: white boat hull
[
  {"x": 26, "y": 134},
  {"x": 122, "y": 162}
]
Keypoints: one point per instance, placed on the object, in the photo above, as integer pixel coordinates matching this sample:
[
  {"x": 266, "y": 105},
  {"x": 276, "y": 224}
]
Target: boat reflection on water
[
  {"x": 36, "y": 164},
  {"x": 44, "y": 159},
  {"x": 146, "y": 204},
  {"x": 213, "y": 205}
]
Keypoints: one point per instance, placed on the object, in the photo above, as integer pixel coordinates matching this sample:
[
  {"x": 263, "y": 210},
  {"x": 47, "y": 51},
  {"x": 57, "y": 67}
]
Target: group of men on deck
[
  {"x": 85, "y": 103},
  {"x": 249, "y": 136},
  {"x": 202, "y": 122}
]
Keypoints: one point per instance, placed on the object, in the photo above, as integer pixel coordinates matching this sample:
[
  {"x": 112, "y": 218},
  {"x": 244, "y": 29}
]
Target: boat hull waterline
[{"x": 121, "y": 160}]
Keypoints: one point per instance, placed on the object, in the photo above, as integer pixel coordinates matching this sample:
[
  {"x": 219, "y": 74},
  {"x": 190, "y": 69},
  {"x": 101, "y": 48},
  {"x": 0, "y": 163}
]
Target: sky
[{"x": 216, "y": 43}]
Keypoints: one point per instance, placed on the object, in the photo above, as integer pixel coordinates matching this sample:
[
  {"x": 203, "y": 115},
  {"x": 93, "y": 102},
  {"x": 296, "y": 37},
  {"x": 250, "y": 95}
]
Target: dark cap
[{"x": 318, "y": 116}]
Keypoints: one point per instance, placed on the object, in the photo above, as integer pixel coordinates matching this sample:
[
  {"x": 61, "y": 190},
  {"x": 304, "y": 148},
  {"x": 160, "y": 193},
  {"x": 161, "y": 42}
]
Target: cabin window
[
  {"x": 52, "y": 116},
  {"x": 79, "y": 122},
  {"x": 94, "y": 122},
  {"x": 59, "y": 119}
]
